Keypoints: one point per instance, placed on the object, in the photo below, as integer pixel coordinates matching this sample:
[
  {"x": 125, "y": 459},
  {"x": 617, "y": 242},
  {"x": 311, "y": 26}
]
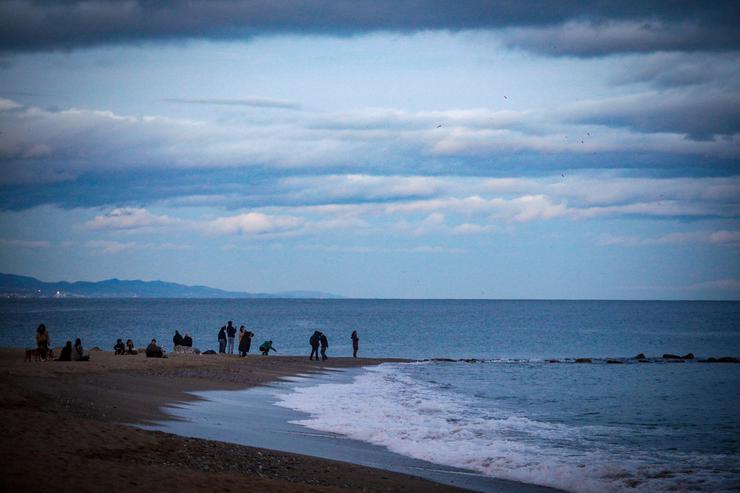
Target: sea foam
[{"x": 385, "y": 406}]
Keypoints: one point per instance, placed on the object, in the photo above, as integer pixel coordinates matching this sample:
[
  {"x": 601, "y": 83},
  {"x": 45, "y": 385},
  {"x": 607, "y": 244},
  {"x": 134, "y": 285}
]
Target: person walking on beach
[
  {"x": 245, "y": 341},
  {"x": 43, "y": 341},
  {"x": 355, "y": 343},
  {"x": 324, "y": 345},
  {"x": 79, "y": 353},
  {"x": 314, "y": 342},
  {"x": 222, "y": 340},
  {"x": 265, "y": 347},
  {"x": 231, "y": 332}
]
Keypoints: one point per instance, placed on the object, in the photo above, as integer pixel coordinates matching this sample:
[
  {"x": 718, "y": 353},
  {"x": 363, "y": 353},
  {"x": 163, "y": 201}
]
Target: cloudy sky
[{"x": 413, "y": 149}]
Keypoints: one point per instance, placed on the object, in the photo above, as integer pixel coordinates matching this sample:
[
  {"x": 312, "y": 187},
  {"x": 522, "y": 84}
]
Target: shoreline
[{"x": 65, "y": 419}]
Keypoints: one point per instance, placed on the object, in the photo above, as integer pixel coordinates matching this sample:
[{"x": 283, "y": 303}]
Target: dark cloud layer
[{"x": 27, "y": 25}]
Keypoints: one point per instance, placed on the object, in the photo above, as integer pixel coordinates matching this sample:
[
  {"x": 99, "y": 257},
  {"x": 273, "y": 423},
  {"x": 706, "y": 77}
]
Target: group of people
[
  {"x": 68, "y": 353},
  {"x": 179, "y": 340},
  {"x": 128, "y": 348},
  {"x": 227, "y": 340}
]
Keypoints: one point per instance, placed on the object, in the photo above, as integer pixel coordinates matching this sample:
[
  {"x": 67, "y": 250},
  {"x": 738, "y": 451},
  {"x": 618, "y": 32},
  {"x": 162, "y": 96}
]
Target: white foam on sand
[{"x": 386, "y": 407}]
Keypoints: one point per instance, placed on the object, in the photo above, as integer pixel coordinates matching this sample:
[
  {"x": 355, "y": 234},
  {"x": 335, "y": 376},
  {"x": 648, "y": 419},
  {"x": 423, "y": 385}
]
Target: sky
[{"x": 412, "y": 149}]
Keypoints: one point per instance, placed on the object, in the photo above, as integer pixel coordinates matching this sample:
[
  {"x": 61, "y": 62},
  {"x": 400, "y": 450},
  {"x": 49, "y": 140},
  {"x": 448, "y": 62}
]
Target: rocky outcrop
[
  {"x": 584, "y": 360},
  {"x": 614, "y": 362},
  {"x": 674, "y": 356},
  {"x": 723, "y": 359},
  {"x": 640, "y": 356}
]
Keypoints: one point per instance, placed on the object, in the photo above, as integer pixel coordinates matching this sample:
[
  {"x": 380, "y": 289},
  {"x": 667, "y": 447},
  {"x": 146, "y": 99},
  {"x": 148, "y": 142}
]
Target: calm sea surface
[{"x": 582, "y": 427}]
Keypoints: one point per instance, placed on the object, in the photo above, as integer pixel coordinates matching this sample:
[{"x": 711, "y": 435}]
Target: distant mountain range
[{"x": 12, "y": 286}]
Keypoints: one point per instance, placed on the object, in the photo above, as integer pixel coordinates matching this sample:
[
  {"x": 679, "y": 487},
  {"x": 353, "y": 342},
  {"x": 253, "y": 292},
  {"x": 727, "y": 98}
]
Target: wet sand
[{"x": 63, "y": 427}]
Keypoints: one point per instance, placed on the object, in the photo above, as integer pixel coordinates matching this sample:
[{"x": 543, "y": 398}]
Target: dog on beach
[{"x": 35, "y": 353}]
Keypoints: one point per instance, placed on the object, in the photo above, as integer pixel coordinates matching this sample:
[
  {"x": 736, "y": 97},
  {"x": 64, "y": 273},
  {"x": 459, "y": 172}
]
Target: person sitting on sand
[
  {"x": 66, "y": 354},
  {"x": 43, "y": 341},
  {"x": 177, "y": 339},
  {"x": 79, "y": 353},
  {"x": 130, "y": 347},
  {"x": 355, "y": 343},
  {"x": 187, "y": 341},
  {"x": 265, "y": 347},
  {"x": 154, "y": 351},
  {"x": 118, "y": 347}
]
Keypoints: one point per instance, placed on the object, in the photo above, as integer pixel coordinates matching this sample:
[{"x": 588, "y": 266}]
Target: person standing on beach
[
  {"x": 245, "y": 341},
  {"x": 231, "y": 332},
  {"x": 222, "y": 340},
  {"x": 314, "y": 342},
  {"x": 324, "y": 345},
  {"x": 355, "y": 343},
  {"x": 43, "y": 341}
]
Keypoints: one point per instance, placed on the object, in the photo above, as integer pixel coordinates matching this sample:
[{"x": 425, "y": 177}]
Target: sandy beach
[{"x": 65, "y": 428}]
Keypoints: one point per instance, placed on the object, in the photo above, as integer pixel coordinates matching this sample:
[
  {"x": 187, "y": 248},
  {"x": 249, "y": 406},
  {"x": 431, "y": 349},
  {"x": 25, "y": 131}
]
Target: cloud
[
  {"x": 723, "y": 237},
  {"x": 24, "y": 243},
  {"x": 249, "y": 101},
  {"x": 111, "y": 247},
  {"x": 699, "y": 114},
  {"x": 27, "y": 25},
  {"x": 252, "y": 224},
  {"x": 668, "y": 70},
  {"x": 129, "y": 218},
  {"x": 587, "y": 39}
]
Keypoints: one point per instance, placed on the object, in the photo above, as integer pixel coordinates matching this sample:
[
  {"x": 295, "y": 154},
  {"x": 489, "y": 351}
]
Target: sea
[{"x": 493, "y": 386}]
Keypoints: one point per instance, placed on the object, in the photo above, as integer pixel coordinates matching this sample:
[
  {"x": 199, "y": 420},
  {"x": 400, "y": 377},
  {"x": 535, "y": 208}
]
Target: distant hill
[{"x": 12, "y": 286}]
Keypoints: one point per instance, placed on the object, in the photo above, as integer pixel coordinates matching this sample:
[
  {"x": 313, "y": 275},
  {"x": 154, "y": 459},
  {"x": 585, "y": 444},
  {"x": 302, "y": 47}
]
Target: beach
[{"x": 67, "y": 428}]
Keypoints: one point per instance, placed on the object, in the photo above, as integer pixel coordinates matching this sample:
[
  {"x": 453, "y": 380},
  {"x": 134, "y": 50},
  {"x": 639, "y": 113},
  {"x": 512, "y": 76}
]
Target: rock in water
[{"x": 583, "y": 360}]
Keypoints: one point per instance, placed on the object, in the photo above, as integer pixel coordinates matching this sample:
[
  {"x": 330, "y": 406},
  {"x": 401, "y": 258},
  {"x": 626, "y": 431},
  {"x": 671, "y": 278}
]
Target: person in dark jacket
[
  {"x": 231, "y": 332},
  {"x": 177, "y": 339},
  {"x": 222, "y": 340},
  {"x": 355, "y": 343},
  {"x": 245, "y": 342},
  {"x": 187, "y": 341},
  {"x": 154, "y": 351},
  {"x": 324, "y": 345},
  {"x": 314, "y": 342},
  {"x": 119, "y": 348},
  {"x": 79, "y": 353},
  {"x": 265, "y": 347},
  {"x": 66, "y": 354}
]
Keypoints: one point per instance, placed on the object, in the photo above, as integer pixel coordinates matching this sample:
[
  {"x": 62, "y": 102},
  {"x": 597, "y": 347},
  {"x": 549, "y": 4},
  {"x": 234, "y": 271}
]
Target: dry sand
[{"x": 63, "y": 429}]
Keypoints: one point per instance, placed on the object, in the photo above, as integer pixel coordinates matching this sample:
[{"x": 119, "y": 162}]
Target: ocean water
[{"x": 507, "y": 412}]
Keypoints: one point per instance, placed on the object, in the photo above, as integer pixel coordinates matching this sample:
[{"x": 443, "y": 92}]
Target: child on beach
[{"x": 265, "y": 347}]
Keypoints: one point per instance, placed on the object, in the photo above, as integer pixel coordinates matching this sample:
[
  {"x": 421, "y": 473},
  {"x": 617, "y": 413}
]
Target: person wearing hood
[
  {"x": 177, "y": 339},
  {"x": 187, "y": 341},
  {"x": 245, "y": 341}
]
